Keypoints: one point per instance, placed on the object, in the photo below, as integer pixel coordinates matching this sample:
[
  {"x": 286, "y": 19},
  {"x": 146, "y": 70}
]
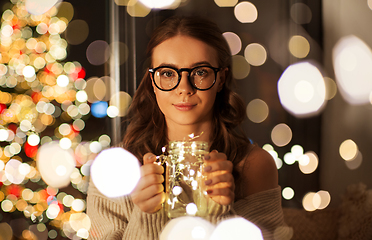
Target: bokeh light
[
  {"x": 112, "y": 168},
  {"x": 331, "y": 88},
  {"x": 246, "y": 12},
  {"x": 356, "y": 162},
  {"x": 234, "y": 42},
  {"x": 302, "y": 90},
  {"x": 240, "y": 67},
  {"x": 65, "y": 10},
  {"x": 97, "y": 52},
  {"x": 120, "y": 100},
  {"x": 255, "y": 54},
  {"x": 316, "y": 200},
  {"x": 38, "y": 7},
  {"x": 159, "y": 3},
  {"x": 137, "y": 9},
  {"x": 257, "y": 110},
  {"x": 99, "y": 109},
  {"x": 187, "y": 228},
  {"x": 288, "y": 193},
  {"x": 77, "y": 32},
  {"x": 281, "y": 134},
  {"x": 299, "y": 46},
  {"x": 308, "y": 162},
  {"x": 55, "y": 164},
  {"x": 348, "y": 150},
  {"x": 226, "y": 3},
  {"x": 301, "y": 13},
  {"x": 237, "y": 229},
  {"x": 352, "y": 62}
]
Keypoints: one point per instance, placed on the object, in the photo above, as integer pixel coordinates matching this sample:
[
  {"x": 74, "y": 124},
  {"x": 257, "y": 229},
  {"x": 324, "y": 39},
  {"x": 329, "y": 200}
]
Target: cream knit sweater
[{"x": 119, "y": 218}]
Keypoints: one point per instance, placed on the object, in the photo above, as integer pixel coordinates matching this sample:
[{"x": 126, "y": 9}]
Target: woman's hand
[
  {"x": 149, "y": 194},
  {"x": 219, "y": 181}
]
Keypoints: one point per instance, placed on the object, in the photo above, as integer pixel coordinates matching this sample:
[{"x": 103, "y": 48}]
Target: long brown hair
[{"x": 147, "y": 129}]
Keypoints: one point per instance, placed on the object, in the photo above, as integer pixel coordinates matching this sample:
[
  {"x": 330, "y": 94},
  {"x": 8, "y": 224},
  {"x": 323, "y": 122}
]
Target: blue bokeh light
[{"x": 99, "y": 109}]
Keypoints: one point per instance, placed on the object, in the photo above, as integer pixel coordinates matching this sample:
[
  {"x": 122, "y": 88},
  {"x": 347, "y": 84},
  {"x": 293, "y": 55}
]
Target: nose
[{"x": 184, "y": 87}]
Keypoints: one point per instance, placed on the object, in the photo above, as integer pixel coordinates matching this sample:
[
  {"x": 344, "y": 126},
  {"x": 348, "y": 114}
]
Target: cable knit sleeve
[
  {"x": 119, "y": 218},
  {"x": 264, "y": 209}
]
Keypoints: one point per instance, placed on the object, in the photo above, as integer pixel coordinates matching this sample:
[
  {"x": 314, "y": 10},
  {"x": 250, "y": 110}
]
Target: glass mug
[{"x": 184, "y": 182}]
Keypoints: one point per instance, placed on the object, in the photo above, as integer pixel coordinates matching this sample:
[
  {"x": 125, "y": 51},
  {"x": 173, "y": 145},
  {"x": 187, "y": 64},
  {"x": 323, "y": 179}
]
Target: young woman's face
[{"x": 186, "y": 105}]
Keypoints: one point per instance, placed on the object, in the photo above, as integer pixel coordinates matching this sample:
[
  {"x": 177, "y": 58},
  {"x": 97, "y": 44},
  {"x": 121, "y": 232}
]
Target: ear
[
  {"x": 152, "y": 83},
  {"x": 223, "y": 74}
]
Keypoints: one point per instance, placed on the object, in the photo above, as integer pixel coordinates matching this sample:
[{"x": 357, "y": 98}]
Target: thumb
[{"x": 149, "y": 158}]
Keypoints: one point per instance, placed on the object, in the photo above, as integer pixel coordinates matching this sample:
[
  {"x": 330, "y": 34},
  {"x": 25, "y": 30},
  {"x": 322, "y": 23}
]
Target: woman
[{"x": 188, "y": 89}]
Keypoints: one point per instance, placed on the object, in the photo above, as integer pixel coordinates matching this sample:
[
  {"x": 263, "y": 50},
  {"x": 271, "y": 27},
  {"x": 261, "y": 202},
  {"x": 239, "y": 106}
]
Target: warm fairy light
[
  {"x": 12, "y": 171},
  {"x": 33, "y": 139},
  {"x": 348, "y": 150},
  {"x": 325, "y": 199},
  {"x": 289, "y": 158},
  {"x": 159, "y": 3},
  {"x": 234, "y": 42},
  {"x": 97, "y": 52},
  {"x": 52, "y": 211},
  {"x": 236, "y": 228},
  {"x": 281, "y": 135},
  {"x": 299, "y": 46},
  {"x": 112, "y": 111},
  {"x": 309, "y": 201},
  {"x": 301, "y": 13},
  {"x": 55, "y": 164},
  {"x": 352, "y": 62},
  {"x": 191, "y": 209},
  {"x": 245, "y": 12},
  {"x": 104, "y": 140},
  {"x": 226, "y": 3},
  {"x": 257, "y": 110},
  {"x": 38, "y": 7},
  {"x": 308, "y": 162},
  {"x": 331, "y": 88},
  {"x": 95, "y": 147},
  {"x": 301, "y": 89},
  {"x": 355, "y": 162},
  {"x": 137, "y": 9},
  {"x": 111, "y": 168},
  {"x": 78, "y": 205},
  {"x": 255, "y": 54},
  {"x": 288, "y": 193},
  {"x": 77, "y": 32},
  {"x": 28, "y": 71},
  {"x": 188, "y": 227},
  {"x": 121, "y": 100},
  {"x": 240, "y": 67},
  {"x": 62, "y": 81}
]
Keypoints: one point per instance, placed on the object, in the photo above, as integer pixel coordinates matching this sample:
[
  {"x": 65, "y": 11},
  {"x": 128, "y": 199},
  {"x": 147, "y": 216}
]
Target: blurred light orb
[
  {"x": 301, "y": 89},
  {"x": 289, "y": 158},
  {"x": 257, "y": 110},
  {"x": 240, "y": 67},
  {"x": 246, "y": 12},
  {"x": 299, "y": 46},
  {"x": 65, "y": 143},
  {"x": 63, "y": 81},
  {"x": 33, "y": 139},
  {"x": 226, "y": 3},
  {"x": 348, "y": 150},
  {"x": 77, "y": 32},
  {"x": 53, "y": 211},
  {"x": 157, "y": 3},
  {"x": 112, "y": 168},
  {"x": 331, "y": 88},
  {"x": 288, "y": 193},
  {"x": 236, "y": 228},
  {"x": 99, "y": 109},
  {"x": 121, "y": 101},
  {"x": 187, "y": 228},
  {"x": 311, "y": 201},
  {"x": 297, "y": 151},
  {"x": 81, "y": 96},
  {"x": 352, "y": 62},
  {"x": 355, "y": 162},
  {"x": 38, "y": 7},
  {"x": 6, "y": 230},
  {"x": 325, "y": 199},
  {"x": 308, "y": 163},
  {"x": 301, "y": 13},
  {"x": 234, "y": 42},
  {"x": 79, "y": 221},
  {"x": 137, "y": 9},
  {"x": 369, "y": 2},
  {"x": 255, "y": 54},
  {"x": 28, "y": 71},
  {"x": 112, "y": 111},
  {"x": 191, "y": 209},
  {"x": 281, "y": 135},
  {"x": 52, "y": 161},
  {"x": 96, "y": 52},
  {"x": 65, "y": 10},
  {"x": 12, "y": 172}
]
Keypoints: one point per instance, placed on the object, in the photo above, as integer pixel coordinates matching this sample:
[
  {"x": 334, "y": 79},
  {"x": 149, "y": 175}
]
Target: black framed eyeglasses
[{"x": 168, "y": 78}]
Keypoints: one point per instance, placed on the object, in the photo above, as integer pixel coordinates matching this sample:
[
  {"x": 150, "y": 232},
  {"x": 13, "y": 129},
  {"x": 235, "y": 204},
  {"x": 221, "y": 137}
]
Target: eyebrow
[{"x": 201, "y": 63}]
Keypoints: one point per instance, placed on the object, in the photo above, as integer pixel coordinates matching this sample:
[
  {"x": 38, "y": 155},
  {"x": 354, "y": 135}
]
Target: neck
[{"x": 183, "y": 132}]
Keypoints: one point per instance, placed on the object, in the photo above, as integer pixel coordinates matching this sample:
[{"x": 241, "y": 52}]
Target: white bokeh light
[
  {"x": 301, "y": 89},
  {"x": 115, "y": 172},
  {"x": 159, "y": 3},
  {"x": 55, "y": 164},
  {"x": 352, "y": 62},
  {"x": 62, "y": 80},
  {"x": 28, "y": 71},
  {"x": 38, "y": 7},
  {"x": 237, "y": 229}
]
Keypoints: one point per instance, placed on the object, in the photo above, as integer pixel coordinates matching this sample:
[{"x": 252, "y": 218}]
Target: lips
[{"x": 184, "y": 106}]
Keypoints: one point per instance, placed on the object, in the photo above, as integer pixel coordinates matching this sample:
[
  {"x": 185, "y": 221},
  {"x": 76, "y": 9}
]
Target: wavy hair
[{"x": 147, "y": 129}]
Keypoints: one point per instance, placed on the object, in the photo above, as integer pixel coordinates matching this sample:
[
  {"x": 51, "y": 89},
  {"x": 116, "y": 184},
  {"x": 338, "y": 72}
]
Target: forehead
[{"x": 183, "y": 51}]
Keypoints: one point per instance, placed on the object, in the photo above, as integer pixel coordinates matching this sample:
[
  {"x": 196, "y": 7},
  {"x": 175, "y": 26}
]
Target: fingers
[
  {"x": 148, "y": 169},
  {"x": 152, "y": 204},
  {"x": 148, "y": 180},
  {"x": 149, "y": 158},
  {"x": 226, "y": 178}
]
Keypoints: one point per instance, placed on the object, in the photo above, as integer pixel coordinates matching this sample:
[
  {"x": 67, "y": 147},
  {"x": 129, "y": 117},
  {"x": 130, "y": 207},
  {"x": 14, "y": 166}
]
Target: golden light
[
  {"x": 257, "y": 110},
  {"x": 331, "y": 88},
  {"x": 121, "y": 101},
  {"x": 352, "y": 62},
  {"x": 77, "y": 32},
  {"x": 308, "y": 162},
  {"x": 301, "y": 13},
  {"x": 299, "y": 46},
  {"x": 355, "y": 162},
  {"x": 137, "y": 9},
  {"x": 246, "y": 12},
  {"x": 37, "y": 7},
  {"x": 234, "y": 42},
  {"x": 161, "y": 3},
  {"x": 348, "y": 150},
  {"x": 281, "y": 135},
  {"x": 65, "y": 10},
  {"x": 301, "y": 89},
  {"x": 240, "y": 67},
  {"x": 288, "y": 193},
  {"x": 255, "y": 54},
  {"x": 226, "y": 3},
  {"x": 122, "y": 2},
  {"x": 311, "y": 201},
  {"x": 325, "y": 199}
]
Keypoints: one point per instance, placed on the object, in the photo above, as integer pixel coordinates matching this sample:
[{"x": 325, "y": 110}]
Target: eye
[
  {"x": 201, "y": 72},
  {"x": 167, "y": 73}
]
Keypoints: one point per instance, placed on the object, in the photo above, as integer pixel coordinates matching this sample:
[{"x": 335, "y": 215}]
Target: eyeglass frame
[{"x": 179, "y": 72}]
